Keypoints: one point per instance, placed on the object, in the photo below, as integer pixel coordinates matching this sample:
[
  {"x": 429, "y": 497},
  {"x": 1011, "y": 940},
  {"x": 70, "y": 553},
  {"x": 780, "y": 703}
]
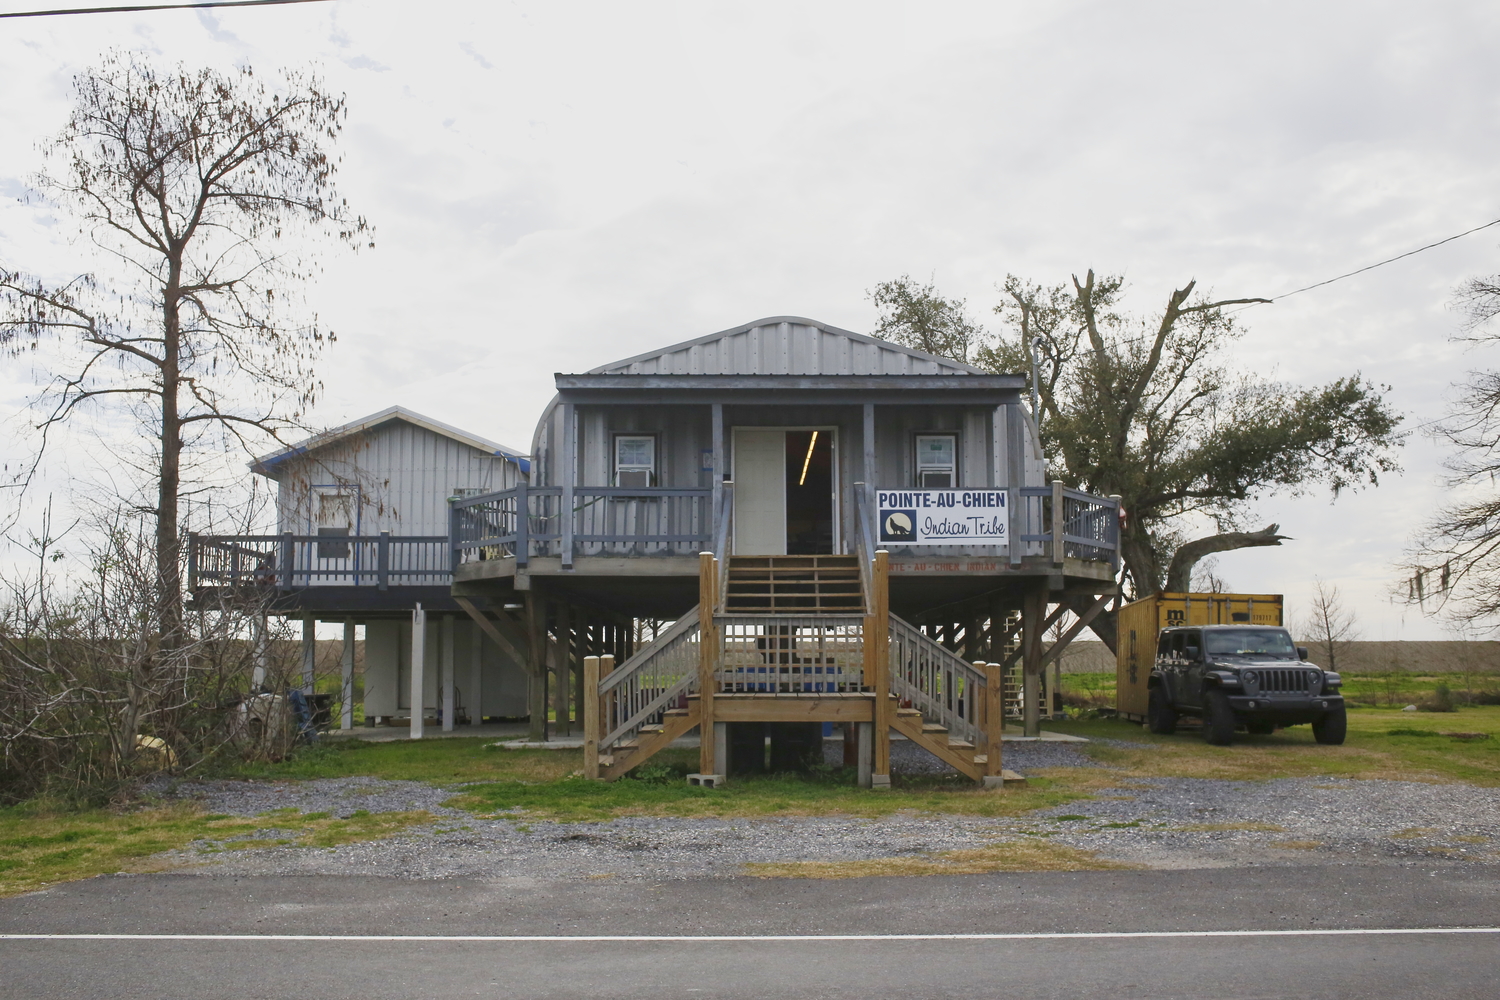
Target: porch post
[
  {"x": 569, "y": 480},
  {"x": 476, "y": 674},
  {"x": 561, "y": 668},
  {"x": 717, "y": 416},
  {"x": 1033, "y": 610},
  {"x": 346, "y": 668},
  {"x": 708, "y": 592},
  {"x": 871, "y": 479},
  {"x": 536, "y": 687},
  {"x": 418, "y": 670},
  {"x": 446, "y": 676},
  {"x": 877, "y": 661},
  {"x": 309, "y": 651}
]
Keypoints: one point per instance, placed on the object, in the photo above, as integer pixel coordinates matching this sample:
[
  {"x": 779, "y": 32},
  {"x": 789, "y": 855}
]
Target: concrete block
[
  {"x": 706, "y": 780},
  {"x": 880, "y": 782}
]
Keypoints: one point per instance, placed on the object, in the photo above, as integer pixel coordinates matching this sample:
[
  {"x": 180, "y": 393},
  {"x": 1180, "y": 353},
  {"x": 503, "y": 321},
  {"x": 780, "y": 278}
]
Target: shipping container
[{"x": 1140, "y": 621}]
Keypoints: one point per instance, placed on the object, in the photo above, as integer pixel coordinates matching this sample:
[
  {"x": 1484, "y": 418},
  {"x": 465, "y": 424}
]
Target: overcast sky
[{"x": 559, "y": 185}]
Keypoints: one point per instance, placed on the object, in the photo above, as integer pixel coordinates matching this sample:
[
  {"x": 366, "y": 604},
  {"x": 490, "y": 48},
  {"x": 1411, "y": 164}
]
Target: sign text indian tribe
[{"x": 943, "y": 517}]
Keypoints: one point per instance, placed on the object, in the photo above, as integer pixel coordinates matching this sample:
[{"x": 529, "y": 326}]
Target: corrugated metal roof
[
  {"x": 266, "y": 464},
  {"x": 786, "y": 345}
]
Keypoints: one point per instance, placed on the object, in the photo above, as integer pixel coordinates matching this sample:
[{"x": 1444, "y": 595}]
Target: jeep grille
[{"x": 1284, "y": 679}]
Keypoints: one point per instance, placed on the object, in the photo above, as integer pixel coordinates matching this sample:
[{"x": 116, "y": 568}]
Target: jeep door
[{"x": 1192, "y": 660}]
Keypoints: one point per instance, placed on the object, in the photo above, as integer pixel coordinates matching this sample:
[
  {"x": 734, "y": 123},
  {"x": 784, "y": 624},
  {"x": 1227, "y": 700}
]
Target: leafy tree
[
  {"x": 1144, "y": 407},
  {"x": 917, "y": 316},
  {"x": 199, "y": 191}
]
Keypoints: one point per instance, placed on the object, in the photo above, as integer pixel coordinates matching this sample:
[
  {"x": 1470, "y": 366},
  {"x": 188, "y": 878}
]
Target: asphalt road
[{"x": 1311, "y": 902}]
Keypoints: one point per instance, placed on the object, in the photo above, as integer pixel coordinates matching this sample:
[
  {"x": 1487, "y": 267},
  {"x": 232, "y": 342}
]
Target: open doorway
[
  {"x": 809, "y": 492},
  {"x": 784, "y": 486}
]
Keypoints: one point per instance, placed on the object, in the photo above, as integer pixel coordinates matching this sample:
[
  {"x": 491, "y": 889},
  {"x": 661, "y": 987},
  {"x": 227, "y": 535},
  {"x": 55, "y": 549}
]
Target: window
[
  {"x": 635, "y": 461},
  {"x": 335, "y": 518},
  {"x": 937, "y": 461}
]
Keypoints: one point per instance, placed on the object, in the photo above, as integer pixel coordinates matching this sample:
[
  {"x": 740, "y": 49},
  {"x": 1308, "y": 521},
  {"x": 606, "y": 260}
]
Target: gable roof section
[
  {"x": 266, "y": 465},
  {"x": 786, "y": 345}
]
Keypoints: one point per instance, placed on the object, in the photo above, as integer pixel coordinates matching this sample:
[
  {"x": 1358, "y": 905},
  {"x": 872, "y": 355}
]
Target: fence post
[
  {"x": 453, "y": 541},
  {"x": 523, "y": 524},
  {"x": 591, "y": 719},
  {"x": 877, "y": 648},
  {"x": 383, "y": 561},
  {"x": 1059, "y": 523},
  {"x": 994, "y": 717},
  {"x": 708, "y": 591},
  {"x": 1017, "y": 523},
  {"x": 284, "y": 578},
  {"x": 1113, "y": 532}
]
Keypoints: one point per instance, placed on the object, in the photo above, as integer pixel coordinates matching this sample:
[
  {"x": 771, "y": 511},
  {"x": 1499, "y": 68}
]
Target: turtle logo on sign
[{"x": 898, "y": 526}]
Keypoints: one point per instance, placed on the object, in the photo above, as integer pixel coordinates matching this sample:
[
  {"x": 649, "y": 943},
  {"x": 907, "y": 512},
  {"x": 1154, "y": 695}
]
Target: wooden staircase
[
  {"x": 814, "y": 585},
  {"x": 932, "y": 737},
  {"x": 629, "y": 753}
]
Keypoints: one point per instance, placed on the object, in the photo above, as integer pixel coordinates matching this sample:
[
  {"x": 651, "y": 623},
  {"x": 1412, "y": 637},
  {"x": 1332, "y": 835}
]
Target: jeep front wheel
[
  {"x": 1332, "y": 727},
  {"x": 1161, "y": 718},
  {"x": 1218, "y": 718}
]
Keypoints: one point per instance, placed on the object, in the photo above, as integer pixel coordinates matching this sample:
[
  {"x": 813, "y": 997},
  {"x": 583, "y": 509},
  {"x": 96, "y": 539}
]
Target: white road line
[{"x": 706, "y": 938}]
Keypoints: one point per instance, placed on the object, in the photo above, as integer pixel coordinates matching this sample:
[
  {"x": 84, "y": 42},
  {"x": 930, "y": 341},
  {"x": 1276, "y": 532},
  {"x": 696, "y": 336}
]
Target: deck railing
[
  {"x": 784, "y": 654},
  {"x": 658, "y": 677},
  {"x": 291, "y": 562},
  {"x": 940, "y": 684},
  {"x": 603, "y": 521}
]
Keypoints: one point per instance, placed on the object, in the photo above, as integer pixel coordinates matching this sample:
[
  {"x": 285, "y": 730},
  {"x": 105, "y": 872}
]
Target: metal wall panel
[{"x": 785, "y": 346}]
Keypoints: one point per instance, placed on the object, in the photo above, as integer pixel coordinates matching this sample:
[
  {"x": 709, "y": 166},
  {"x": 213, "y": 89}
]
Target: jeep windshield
[{"x": 1270, "y": 642}]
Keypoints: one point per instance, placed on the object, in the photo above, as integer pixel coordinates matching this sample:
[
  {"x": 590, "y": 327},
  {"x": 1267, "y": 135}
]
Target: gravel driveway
[{"x": 1158, "y": 823}]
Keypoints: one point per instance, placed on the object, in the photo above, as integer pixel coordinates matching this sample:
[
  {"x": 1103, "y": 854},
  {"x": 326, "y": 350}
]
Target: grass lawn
[
  {"x": 39, "y": 847},
  {"x": 1382, "y": 743}
]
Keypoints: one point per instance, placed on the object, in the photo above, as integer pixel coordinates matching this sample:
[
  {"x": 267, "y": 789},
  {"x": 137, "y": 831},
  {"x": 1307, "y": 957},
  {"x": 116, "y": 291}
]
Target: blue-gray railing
[
  {"x": 289, "y": 562},
  {"x": 603, "y": 521}
]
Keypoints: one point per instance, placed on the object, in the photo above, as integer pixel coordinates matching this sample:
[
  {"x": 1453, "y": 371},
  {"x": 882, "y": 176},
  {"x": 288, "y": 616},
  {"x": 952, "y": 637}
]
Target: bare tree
[
  {"x": 1206, "y": 578},
  {"x": 202, "y": 193},
  {"x": 1330, "y": 627}
]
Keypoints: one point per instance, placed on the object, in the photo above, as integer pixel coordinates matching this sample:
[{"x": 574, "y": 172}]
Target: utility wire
[
  {"x": 1389, "y": 260},
  {"x": 154, "y": 6}
]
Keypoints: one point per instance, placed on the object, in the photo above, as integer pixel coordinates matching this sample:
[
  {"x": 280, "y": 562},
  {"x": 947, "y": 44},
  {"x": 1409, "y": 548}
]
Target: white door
[{"x": 759, "y": 491}]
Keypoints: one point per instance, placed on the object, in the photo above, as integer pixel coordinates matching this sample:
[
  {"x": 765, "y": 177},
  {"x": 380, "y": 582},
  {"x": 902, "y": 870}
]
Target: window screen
[
  {"x": 937, "y": 461},
  {"x": 635, "y": 461}
]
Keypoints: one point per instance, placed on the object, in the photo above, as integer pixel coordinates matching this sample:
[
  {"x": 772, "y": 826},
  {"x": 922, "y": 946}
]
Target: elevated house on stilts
[{"x": 818, "y": 527}]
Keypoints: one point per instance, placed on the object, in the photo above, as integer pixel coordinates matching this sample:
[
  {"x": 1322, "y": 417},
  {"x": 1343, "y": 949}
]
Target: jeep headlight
[
  {"x": 1314, "y": 681},
  {"x": 1251, "y": 679}
]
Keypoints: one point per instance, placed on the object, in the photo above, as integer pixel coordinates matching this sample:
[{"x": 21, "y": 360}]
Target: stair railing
[
  {"x": 937, "y": 682},
  {"x": 864, "y": 544},
  {"x": 724, "y": 538},
  {"x": 656, "y": 678}
]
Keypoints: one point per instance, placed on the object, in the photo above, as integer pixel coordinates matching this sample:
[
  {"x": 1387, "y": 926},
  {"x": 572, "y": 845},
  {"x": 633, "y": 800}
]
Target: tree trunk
[
  {"x": 169, "y": 479},
  {"x": 1180, "y": 573}
]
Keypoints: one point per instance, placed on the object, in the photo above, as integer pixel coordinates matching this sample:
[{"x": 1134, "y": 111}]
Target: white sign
[{"x": 943, "y": 517}]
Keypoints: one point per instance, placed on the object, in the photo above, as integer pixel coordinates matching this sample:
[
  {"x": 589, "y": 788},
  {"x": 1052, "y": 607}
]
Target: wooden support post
[
  {"x": 994, "y": 716},
  {"x": 445, "y": 677},
  {"x": 591, "y": 733},
  {"x": 1032, "y": 613},
  {"x": 476, "y": 675},
  {"x": 708, "y": 661},
  {"x": 1059, "y": 523},
  {"x": 878, "y": 663},
  {"x": 418, "y": 670},
  {"x": 536, "y": 688},
  {"x": 346, "y": 674}
]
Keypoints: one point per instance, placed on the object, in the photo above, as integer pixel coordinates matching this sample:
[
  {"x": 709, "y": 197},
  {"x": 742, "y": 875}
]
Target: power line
[
  {"x": 1389, "y": 260},
  {"x": 155, "y": 6}
]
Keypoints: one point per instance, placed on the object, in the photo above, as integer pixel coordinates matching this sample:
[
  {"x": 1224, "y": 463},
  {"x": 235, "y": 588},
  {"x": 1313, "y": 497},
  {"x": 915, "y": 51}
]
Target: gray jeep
[{"x": 1241, "y": 675}]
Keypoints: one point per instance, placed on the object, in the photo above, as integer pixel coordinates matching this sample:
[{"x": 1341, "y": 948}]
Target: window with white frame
[
  {"x": 635, "y": 460},
  {"x": 937, "y": 461}
]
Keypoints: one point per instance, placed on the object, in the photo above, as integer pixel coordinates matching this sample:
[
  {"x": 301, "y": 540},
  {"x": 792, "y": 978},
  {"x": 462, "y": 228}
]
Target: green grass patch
[
  {"x": 441, "y": 761},
  {"x": 102, "y": 841},
  {"x": 1382, "y": 743}
]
